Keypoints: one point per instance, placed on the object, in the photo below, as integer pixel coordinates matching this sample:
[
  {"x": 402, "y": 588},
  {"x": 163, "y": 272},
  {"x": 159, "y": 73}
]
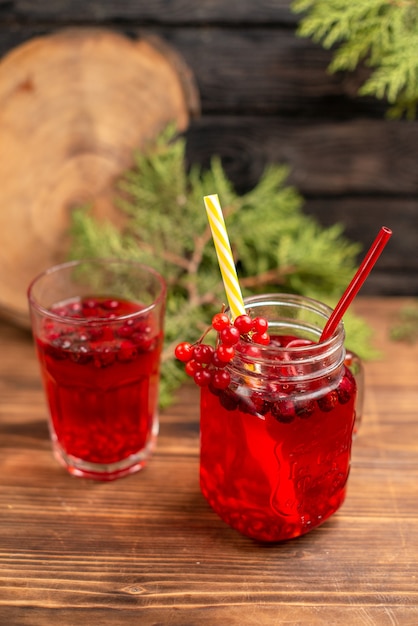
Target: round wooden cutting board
[{"x": 74, "y": 107}]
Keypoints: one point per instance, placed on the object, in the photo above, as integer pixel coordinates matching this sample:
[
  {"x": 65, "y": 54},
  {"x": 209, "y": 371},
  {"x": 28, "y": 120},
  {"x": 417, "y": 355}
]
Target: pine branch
[
  {"x": 277, "y": 247},
  {"x": 381, "y": 33},
  {"x": 270, "y": 277}
]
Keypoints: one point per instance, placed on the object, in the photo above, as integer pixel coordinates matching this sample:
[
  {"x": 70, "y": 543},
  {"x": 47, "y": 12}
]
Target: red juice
[
  {"x": 275, "y": 462},
  {"x": 101, "y": 380}
]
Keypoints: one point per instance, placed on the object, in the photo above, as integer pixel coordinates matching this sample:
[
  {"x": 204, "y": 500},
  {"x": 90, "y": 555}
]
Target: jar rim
[{"x": 313, "y": 352}]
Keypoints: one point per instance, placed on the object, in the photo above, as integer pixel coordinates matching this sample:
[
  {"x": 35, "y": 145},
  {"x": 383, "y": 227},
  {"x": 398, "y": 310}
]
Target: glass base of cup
[{"x": 109, "y": 471}]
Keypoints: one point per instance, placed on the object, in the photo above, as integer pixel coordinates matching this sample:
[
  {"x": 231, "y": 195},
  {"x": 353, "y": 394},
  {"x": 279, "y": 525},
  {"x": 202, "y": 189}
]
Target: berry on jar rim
[
  {"x": 220, "y": 379},
  {"x": 239, "y": 334},
  {"x": 260, "y": 325},
  {"x": 202, "y": 353},
  {"x": 249, "y": 350},
  {"x": 220, "y": 321},
  {"x": 243, "y": 323},
  {"x": 217, "y": 363},
  {"x": 261, "y": 338},
  {"x": 192, "y": 367},
  {"x": 202, "y": 377},
  {"x": 229, "y": 336},
  {"x": 183, "y": 351},
  {"x": 225, "y": 353}
]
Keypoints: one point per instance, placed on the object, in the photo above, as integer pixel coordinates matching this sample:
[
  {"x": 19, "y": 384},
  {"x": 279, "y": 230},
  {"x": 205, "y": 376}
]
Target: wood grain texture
[
  {"x": 267, "y": 97},
  {"x": 166, "y": 11},
  {"x": 347, "y": 172},
  {"x": 74, "y": 106},
  {"x": 326, "y": 158},
  {"x": 148, "y": 550},
  {"x": 242, "y": 70}
]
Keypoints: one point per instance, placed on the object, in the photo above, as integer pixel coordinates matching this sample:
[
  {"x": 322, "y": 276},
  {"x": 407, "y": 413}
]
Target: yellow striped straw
[{"x": 224, "y": 253}]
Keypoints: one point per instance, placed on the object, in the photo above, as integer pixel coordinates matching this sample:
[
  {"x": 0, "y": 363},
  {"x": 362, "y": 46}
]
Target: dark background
[{"x": 266, "y": 97}]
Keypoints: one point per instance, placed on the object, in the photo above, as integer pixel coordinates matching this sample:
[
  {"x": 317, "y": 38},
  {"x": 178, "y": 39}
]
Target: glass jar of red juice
[
  {"x": 276, "y": 444},
  {"x": 98, "y": 330}
]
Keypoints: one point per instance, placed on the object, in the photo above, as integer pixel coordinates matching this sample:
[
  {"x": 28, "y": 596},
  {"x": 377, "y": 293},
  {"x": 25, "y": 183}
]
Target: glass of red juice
[
  {"x": 276, "y": 444},
  {"x": 98, "y": 331}
]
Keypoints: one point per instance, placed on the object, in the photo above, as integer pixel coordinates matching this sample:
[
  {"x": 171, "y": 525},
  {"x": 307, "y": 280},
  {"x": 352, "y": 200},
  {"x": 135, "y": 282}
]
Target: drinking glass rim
[{"x": 110, "y": 261}]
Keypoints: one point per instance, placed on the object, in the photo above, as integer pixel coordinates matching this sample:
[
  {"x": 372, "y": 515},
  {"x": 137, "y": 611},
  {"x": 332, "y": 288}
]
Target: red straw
[{"x": 357, "y": 281}]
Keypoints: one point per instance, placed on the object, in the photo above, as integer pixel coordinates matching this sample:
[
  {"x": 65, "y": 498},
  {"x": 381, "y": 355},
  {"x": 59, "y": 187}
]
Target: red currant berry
[
  {"x": 202, "y": 377},
  {"x": 89, "y": 303},
  {"x": 127, "y": 351},
  {"x": 220, "y": 321},
  {"x": 110, "y": 304},
  {"x": 328, "y": 402},
  {"x": 95, "y": 333},
  {"x": 202, "y": 353},
  {"x": 225, "y": 353},
  {"x": 81, "y": 354},
  {"x": 305, "y": 408},
  {"x": 104, "y": 356},
  {"x": 249, "y": 350},
  {"x": 260, "y": 325},
  {"x": 228, "y": 400},
  {"x": 261, "y": 338},
  {"x": 144, "y": 341},
  {"x": 257, "y": 404},
  {"x": 90, "y": 307},
  {"x": 346, "y": 388},
  {"x": 216, "y": 362},
  {"x": 229, "y": 336},
  {"x": 243, "y": 323},
  {"x": 220, "y": 379},
  {"x": 184, "y": 351},
  {"x": 126, "y": 330},
  {"x": 283, "y": 410},
  {"x": 192, "y": 367}
]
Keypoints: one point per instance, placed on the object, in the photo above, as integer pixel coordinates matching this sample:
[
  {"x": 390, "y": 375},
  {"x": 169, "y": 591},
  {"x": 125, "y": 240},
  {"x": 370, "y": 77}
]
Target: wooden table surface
[{"x": 147, "y": 549}]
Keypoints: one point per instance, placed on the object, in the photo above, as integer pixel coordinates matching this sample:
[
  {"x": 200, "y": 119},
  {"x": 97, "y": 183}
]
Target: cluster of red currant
[{"x": 206, "y": 364}]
